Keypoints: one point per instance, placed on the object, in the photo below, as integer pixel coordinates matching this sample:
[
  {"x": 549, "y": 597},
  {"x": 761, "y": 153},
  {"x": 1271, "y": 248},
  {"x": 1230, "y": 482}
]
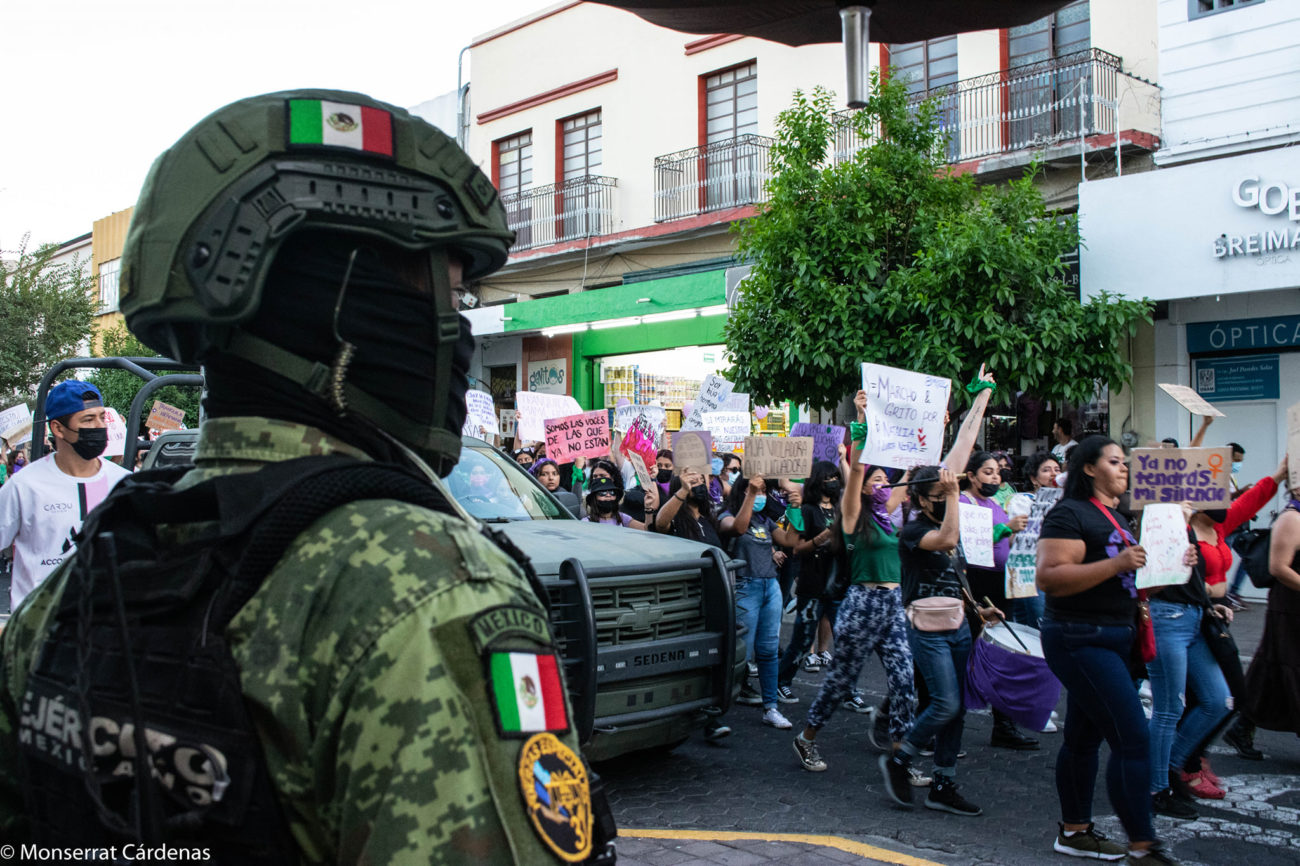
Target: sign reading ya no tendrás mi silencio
[{"x": 1198, "y": 476}]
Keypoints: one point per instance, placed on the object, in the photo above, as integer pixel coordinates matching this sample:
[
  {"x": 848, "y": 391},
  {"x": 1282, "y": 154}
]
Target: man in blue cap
[{"x": 43, "y": 506}]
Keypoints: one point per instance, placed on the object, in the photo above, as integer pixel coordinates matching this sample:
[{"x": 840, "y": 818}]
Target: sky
[{"x": 96, "y": 89}]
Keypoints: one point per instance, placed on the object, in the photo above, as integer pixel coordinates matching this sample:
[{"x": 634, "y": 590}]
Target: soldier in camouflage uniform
[{"x": 308, "y": 248}]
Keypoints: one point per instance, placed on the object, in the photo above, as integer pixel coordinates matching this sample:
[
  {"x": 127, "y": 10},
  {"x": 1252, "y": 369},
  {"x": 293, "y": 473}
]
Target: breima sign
[{"x": 1213, "y": 228}]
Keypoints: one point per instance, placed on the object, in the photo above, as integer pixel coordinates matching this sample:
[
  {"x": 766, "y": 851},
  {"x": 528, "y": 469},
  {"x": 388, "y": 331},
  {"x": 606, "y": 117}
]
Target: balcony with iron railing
[
  {"x": 714, "y": 177},
  {"x": 581, "y": 207},
  {"x": 1034, "y": 106}
]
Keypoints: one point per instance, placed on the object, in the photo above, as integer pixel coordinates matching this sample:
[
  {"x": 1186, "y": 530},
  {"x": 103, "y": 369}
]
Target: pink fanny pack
[{"x": 936, "y": 614}]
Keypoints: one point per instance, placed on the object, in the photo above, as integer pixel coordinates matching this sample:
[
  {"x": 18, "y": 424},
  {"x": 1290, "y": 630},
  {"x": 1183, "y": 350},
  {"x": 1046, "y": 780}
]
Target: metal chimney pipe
[{"x": 856, "y": 21}]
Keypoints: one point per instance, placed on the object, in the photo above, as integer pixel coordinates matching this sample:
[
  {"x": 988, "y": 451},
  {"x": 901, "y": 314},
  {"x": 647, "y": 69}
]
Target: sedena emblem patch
[
  {"x": 528, "y": 693},
  {"x": 557, "y": 796}
]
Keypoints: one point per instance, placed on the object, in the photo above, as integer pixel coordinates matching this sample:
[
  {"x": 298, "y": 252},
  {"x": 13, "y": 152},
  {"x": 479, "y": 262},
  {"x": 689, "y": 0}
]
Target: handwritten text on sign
[
  {"x": 164, "y": 416},
  {"x": 1022, "y": 561},
  {"x": 729, "y": 429},
  {"x": 904, "y": 417},
  {"x": 778, "y": 456},
  {"x": 827, "y": 439},
  {"x": 480, "y": 414},
  {"x": 713, "y": 391},
  {"x": 976, "y": 523},
  {"x": 693, "y": 451},
  {"x": 1195, "y": 475},
  {"x": 574, "y": 436},
  {"x": 1164, "y": 538},
  {"x": 535, "y": 407}
]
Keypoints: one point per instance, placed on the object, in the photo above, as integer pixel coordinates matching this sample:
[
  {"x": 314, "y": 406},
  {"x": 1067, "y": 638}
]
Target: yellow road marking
[{"x": 847, "y": 845}]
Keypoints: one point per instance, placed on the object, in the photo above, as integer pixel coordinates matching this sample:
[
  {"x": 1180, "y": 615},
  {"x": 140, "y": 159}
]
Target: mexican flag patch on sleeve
[
  {"x": 528, "y": 693},
  {"x": 319, "y": 122}
]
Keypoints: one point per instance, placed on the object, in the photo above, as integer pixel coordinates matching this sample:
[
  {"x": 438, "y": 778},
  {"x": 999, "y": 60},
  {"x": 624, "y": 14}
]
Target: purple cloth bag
[{"x": 1019, "y": 685}]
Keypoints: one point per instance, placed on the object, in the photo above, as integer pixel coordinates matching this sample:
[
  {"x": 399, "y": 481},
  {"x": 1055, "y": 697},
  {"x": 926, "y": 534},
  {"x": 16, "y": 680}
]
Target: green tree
[
  {"x": 885, "y": 256},
  {"x": 45, "y": 315},
  {"x": 120, "y": 387}
]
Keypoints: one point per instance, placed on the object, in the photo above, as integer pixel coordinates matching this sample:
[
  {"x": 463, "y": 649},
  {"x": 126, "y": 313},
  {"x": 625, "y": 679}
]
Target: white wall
[
  {"x": 1231, "y": 80},
  {"x": 1127, "y": 28}
]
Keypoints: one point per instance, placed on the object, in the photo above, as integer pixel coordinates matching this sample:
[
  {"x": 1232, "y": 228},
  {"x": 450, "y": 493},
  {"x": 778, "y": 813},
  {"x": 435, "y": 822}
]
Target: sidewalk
[{"x": 709, "y": 848}]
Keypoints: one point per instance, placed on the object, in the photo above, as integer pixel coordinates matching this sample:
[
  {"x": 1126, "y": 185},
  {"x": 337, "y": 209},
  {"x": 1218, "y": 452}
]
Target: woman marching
[
  {"x": 933, "y": 586},
  {"x": 1087, "y": 560},
  {"x": 871, "y": 615}
]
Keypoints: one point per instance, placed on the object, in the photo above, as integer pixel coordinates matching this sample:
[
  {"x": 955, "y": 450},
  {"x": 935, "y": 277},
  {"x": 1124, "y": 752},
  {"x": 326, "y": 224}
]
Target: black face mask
[
  {"x": 1218, "y": 515},
  {"x": 987, "y": 490},
  {"x": 832, "y": 489},
  {"x": 939, "y": 510},
  {"x": 603, "y": 505},
  {"x": 664, "y": 476},
  {"x": 91, "y": 442},
  {"x": 700, "y": 494},
  {"x": 1005, "y": 475}
]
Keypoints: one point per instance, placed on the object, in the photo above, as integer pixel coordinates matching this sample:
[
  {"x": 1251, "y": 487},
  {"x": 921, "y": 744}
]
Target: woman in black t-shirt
[{"x": 1087, "y": 563}]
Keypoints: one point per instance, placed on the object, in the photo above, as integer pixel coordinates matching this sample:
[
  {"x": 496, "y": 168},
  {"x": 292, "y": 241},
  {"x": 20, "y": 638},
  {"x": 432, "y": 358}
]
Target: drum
[{"x": 1012, "y": 678}]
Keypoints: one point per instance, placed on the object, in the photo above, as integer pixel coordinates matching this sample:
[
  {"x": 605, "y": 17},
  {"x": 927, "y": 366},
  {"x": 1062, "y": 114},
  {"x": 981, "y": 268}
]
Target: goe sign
[
  {"x": 1198, "y": 476},
  {"x": 904, "y": 417}
]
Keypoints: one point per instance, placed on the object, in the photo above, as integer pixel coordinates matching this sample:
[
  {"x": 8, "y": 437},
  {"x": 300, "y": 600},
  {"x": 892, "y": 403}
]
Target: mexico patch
[
  {"x": 557, "y": 796},
  {"x": 509, "y": 621},
  {"x": 528, "y": 693}
]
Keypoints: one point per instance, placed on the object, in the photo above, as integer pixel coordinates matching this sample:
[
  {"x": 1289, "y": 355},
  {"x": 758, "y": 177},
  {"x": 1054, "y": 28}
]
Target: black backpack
[{"x": 1252, "y": 546}]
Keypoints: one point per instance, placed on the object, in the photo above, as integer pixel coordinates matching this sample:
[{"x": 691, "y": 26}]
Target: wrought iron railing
[
  {"x": 574, "y": 209},
  {"x": 1030, "y": 106},
  {"x": 714, "y": 177}
]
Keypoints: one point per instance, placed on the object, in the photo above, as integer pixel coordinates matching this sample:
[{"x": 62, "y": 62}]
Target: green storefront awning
[{"x": 668, "y": 294}]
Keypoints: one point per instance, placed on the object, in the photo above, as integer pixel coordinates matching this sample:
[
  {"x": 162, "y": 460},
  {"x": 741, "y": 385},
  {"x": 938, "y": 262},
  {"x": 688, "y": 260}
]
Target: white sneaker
[
  {"x": 774, "y": 718},
  {"x": 1050, "y": 727}
]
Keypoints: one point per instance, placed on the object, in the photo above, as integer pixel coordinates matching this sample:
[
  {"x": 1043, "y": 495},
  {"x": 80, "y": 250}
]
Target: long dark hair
[
  {"x": 1079, "y": 484},
  {"x": 682, "y": 525},
  {"x": 978, "y": 459},
  {"x": 923, "y": 481},
  {"x": 771, "y": 510},
  {"x": 814, "y": 520}
]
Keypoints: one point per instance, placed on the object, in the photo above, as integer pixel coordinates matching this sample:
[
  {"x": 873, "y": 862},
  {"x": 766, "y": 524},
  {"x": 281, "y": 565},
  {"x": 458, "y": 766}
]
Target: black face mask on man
[{"x": 91, "y": 442}]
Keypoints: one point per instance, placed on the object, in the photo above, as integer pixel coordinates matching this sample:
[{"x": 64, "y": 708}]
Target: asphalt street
[{"x": 752, "y": 783}]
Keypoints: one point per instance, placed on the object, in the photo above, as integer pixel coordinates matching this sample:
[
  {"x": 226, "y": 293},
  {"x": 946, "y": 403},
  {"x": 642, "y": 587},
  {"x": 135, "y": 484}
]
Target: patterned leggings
[{"x": 870, "y": 620}]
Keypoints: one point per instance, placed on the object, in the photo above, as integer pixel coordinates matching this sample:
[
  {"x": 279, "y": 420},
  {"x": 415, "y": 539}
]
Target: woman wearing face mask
[
  {"x": 730, "y": 472},
  {"x": 686, "y": 513},
  {"x": 664, "y": 469},
  {"x": 602, "y": 502},
  {"x": 983, "y": 481},
  {"x": 1006, "y": 477},
  {"x": 871, "y": 617},
  {"x": 524, "y": 457}
]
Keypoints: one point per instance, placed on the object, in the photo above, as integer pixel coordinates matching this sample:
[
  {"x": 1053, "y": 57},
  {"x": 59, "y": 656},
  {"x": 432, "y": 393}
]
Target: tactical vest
[{"x": 139, "y": 634}]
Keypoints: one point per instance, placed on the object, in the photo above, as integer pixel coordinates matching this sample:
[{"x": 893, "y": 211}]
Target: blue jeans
[
  {"x": 1091, "y": 661},
  {"x": 940, "y": 658},
  {"x": 1027, "y": 611},
  {"x": 758, "y": 606},
  {"x": 1183, "y": 661}
]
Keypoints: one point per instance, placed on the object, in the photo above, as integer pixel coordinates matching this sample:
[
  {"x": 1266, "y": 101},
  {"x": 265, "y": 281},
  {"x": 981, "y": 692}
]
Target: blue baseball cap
[{"x": 71, "y": 396}]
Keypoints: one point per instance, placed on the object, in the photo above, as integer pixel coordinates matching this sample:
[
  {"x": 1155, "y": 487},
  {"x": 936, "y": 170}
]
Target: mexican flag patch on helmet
[{"x": 319, "y": 122}]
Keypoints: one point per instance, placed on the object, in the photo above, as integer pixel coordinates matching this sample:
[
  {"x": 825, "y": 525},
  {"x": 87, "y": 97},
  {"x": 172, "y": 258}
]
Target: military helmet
[{"x": 218, "y": 204}]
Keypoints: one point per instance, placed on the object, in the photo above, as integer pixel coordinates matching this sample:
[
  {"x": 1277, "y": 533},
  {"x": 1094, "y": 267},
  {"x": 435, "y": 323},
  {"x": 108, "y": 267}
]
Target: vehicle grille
[{"x": 648, "y": 609}]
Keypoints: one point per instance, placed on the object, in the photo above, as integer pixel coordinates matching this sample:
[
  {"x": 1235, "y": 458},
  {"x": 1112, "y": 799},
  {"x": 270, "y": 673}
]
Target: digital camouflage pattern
[{"x": 361, "y": 674}]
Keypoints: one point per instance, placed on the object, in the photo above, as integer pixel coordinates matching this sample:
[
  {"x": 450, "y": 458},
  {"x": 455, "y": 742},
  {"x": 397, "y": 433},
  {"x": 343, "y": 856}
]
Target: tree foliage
[
  {"x": 885, "y": 256},
  {"x": 45, "y": 313},
  {"x": 120, "y": 387}
]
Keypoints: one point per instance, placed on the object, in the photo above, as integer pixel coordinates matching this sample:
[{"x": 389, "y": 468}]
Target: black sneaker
[
  {"x": 785, "y": 695},
  {"x": 1156, "y": 855},
  {"x": 1242, "y": 739},
  {"x": 808, "y": 755},
  {"x": 1167, "y": 803},
  {"x": 749, "y": 696},
  {"x": 898, "y": 781},
  {"x": 1088, "y": 843},
  {"x": 1007, "y": 736},
  {"x": 857, "y": 703},
  {"x": 813, "y": 663},
  {"x": 943, "y": 797},
  {"x": 714, "y": 731}
]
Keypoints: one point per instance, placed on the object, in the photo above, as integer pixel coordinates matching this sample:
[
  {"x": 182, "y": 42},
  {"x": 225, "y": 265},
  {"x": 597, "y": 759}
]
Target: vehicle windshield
[{"x": 494, "y": 488}]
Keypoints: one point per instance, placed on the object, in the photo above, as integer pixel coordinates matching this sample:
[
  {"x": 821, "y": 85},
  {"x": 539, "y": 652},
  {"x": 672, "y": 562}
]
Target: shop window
[
  {"x": 108, "y": 285},
  {"x": 1201, "y": 8}
]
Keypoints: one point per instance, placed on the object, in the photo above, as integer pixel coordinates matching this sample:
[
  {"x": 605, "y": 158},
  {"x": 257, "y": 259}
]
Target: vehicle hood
[{"x": 550, "y": 542}]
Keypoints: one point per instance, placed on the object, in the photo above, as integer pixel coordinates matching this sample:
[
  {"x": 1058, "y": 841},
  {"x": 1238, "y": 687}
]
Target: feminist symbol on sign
[{"x": 1216, "y": 464}]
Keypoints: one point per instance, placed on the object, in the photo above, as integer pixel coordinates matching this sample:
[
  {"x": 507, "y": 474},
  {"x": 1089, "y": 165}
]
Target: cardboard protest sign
[
  {"x": 729, "y": 429},
  {"x": 976, "y": 524},
  {"x": 1199, "y": 476},
  {"x": 693, "y": 450},
  {"x": 827, "y": 439},
  {"x": 1022, "y": 562},
  {"x": 165, "y": 417},
  {"x": 116, "y": 433},
  {"x": 508, "y": 423},
  {"x": 574, "y": 436},
  {"x": 534, "y": 407},
  {"x": 643, "y": 476},
  {"x": 624, "y": 416},
  {"x": 642, "y": 435},
  {"x": 713, "y": 392},
  {"x": 904, "y": 417},
  {"x": 480, "y": 415},
  {"x": 1164, "y": 538},
  {"x": 1293, "y": 446},
  {"x": 1190, "y": 400},
  {"x": 15, "y": 421},
  {"x": 778, "y": 456}
]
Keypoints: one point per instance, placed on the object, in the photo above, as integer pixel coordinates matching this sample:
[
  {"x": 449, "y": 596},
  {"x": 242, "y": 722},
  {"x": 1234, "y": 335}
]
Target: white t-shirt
[
  {"x": 1062, "y": 452},
  {"x": 40, "y": 509}
]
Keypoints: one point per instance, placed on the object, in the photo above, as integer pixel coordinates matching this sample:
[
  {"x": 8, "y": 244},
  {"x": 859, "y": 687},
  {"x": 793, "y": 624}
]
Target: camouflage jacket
[{"x": 368, "y": 660}]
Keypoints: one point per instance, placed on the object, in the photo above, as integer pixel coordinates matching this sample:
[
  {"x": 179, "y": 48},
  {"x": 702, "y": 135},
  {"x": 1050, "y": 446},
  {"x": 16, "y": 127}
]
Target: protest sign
[
  {"x": 534, "y": 408},
  {"x": 713, "y": 392},
  {"x": 735, "y": 402},
  {"x": 827, "y": 439},
  {"x": 507, "y": 423},
  {"x": 643, "y": 433},
  {"x": 1164, "y": 538},
  {"x": 693, "y": 451},
  {"x": 778, "y": 456},
  {"x": 976, "y": 524},
  {"x": 904, "y": 417},
  {"x": 1293, "y": 446},
  {"x": 165, "y": 417},
  {"x": 1196, "y": 475},
  {"x": 1190, "y": 400},
  {"x": 14, "y": 422},
  {"x": 116, "y": 433},
  {"x": 480, "y": 415},
  {"x": 574, "y": 436},
  {"x": 625, "y": 415},
  {"x": 729, "y": 429},
  {"x": 1022, "y": 561},
  {"x": 643, "y": 476}
]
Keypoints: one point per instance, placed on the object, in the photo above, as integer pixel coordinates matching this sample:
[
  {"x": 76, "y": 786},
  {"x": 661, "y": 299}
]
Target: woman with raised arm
[{"x": 1087, "y": 563}]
